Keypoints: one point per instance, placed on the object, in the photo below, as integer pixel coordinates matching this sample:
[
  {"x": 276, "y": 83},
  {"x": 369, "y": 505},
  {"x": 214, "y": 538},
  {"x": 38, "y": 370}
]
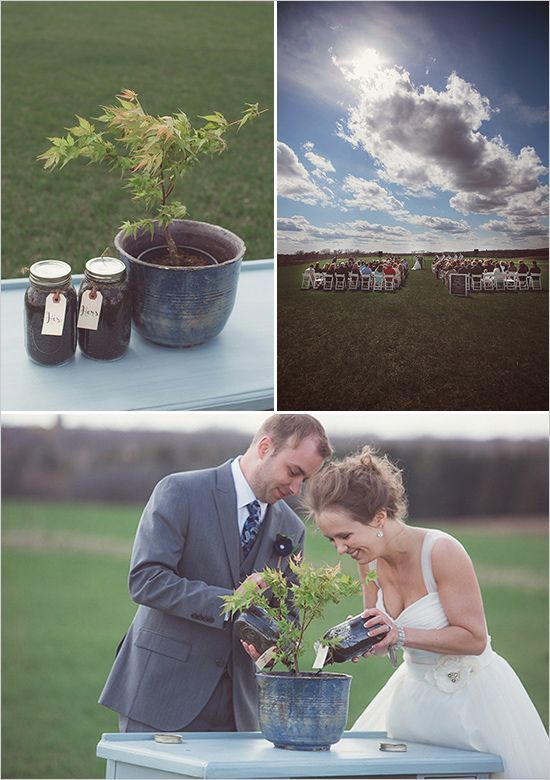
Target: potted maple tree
[
  {"x": 297, "y": 710},
  {"x": 183, "y": 273}
]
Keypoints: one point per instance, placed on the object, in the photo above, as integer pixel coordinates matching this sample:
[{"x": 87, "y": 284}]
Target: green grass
[
  {"x": 416, "y": 349},
  {"x": 64, "y": 613},
  {"x": 65, "y": 58}
]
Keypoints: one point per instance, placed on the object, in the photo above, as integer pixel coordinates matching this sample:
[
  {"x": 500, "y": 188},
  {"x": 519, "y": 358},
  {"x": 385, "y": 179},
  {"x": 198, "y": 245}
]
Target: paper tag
[
  {"x": 54, "y": 315},
  {"x": 321, "y": 657},
  {"x": 90, "y": 309},
  {"x": 265, "y": 658}
]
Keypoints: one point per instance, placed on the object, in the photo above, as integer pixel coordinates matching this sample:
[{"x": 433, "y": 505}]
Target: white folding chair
[
  {"x": 340, "y": 282},
  {"x": 510, "y": 281},
  {"x": 522, "y": 282},
  {"x": 328, "y": 282},
  {"x": 488, "y": 282},
  {"x": 307, "y": 281},
  {"x": 378, "y": 282},
  {"x": 536, "y": 283},
  {"x": 475, "y": 283},
  {"x": 498, "y": 280},
  {"x": 353, "y": 282},
  {"x": 366, "y": 282},
  {"x": 389, "y": 283},
  {"x": 319, "y": 279}
]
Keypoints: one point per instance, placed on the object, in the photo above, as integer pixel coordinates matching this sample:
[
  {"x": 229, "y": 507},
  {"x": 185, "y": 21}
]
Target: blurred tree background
[{"x": 444, "y": 479}]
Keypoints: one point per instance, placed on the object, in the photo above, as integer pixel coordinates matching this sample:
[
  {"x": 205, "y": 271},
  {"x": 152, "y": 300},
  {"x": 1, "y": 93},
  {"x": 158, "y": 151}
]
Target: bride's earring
[{"x": 380, "y": 533}]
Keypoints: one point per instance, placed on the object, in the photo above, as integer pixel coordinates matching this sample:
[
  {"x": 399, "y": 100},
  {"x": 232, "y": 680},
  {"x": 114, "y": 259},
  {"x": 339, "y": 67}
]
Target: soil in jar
[
  {"x": 188, "y": 256},
  {"x": 111, "y": 339},
  {"x": 49, "y": 350}
]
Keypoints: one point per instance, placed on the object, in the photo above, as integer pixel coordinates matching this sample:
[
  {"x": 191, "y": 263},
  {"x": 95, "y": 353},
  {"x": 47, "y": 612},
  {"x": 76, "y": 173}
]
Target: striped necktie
[{"x": 250, "y": 527}]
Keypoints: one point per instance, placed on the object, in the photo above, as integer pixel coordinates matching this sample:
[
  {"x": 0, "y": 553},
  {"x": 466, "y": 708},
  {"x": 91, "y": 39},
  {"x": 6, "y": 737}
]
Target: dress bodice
[{"x": 426, "y": 612}]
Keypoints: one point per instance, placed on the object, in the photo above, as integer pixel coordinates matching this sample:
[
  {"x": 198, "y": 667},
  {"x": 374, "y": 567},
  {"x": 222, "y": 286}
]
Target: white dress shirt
[{"x": 245, "y": 495}]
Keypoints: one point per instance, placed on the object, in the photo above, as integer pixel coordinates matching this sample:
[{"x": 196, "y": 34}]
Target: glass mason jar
[
  {"x": 110, "y": 339},
  {"x": 50, "y": 278}
]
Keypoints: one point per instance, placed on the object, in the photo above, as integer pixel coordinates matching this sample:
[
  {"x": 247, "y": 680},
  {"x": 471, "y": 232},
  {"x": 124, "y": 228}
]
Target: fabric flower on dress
[{"x": 453, "y": 672}]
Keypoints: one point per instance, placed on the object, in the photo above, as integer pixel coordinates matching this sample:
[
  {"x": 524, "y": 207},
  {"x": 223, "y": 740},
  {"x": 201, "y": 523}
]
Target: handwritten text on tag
[
  {"x": 89, "y": 311},
  {"x": 54, "y": 315}
]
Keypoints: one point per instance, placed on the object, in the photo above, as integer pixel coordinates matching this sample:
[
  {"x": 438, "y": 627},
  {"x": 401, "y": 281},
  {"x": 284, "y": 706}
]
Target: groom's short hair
[{"x": 291, "y": 429}]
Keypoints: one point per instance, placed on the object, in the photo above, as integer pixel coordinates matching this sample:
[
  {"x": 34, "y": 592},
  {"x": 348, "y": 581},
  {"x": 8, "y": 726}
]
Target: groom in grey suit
[{"x": 201, "y": 536}]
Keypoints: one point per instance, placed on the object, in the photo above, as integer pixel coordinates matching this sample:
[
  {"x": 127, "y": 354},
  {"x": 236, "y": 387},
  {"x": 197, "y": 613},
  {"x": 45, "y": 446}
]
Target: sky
[
  {"x": 412, "y": 126},
  {"x": 384, "y": 425}
]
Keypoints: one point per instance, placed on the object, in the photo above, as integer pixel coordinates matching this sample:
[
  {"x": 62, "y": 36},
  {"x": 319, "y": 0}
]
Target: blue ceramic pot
[
  {"x": 303, "y": 712},
  {"x": 180, "y": 306}
]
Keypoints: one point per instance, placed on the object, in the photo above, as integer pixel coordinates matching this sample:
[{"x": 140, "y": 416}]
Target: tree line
[
  {"x": 444, "y": 479},
  {"x": 303, "y": 257}
]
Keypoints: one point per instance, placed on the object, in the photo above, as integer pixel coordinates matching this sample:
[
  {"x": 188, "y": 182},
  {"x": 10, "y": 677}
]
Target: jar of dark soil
[
  {"x": 104, "y": 309},
  {"x": 50, "y": 313}
]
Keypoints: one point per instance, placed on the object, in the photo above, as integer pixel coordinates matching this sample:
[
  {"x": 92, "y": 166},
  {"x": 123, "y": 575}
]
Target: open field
[
  {"x": 65, "y": 607},
  {"x": 65, "y": 58},
  {"x": 418, "y": 348}
]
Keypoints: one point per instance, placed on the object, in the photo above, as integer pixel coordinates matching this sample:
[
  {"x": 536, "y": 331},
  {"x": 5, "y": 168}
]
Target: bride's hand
[{"x": 387, "y": 629}]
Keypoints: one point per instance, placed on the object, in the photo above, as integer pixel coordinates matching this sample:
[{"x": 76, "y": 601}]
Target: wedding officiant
[{"x": 201, "y": 536}]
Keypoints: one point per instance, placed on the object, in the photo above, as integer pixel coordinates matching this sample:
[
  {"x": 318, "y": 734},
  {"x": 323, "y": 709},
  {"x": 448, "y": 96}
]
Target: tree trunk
[{"x": 172, "y": 248}]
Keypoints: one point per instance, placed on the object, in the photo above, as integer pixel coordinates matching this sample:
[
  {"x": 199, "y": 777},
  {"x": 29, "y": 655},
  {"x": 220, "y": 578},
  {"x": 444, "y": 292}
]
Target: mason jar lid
[
  {"x": 105, "y": 269},
  {"x": 50, "y": 273}
]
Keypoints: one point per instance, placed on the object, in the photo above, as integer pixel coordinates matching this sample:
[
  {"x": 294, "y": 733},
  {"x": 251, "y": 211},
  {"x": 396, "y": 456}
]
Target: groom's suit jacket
[{"x": 186, "y": 555}]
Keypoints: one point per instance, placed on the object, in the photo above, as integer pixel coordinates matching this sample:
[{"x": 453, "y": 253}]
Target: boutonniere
[{"x": 283, "y": 546}]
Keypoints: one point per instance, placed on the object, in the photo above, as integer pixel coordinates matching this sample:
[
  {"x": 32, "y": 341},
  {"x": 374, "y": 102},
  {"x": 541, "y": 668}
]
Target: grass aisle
[
  {"x": 65, "y": 58},
  {"x": 65, "y": 608},
  {"x": 418, "y": 348}
]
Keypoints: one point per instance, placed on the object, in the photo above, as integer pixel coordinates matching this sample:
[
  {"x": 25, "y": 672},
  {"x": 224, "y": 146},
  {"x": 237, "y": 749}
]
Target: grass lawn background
[
  {"x": 64, "y": 58},
  {"x": 64, "y": 612},
  {"x": 418, "y": 348}
]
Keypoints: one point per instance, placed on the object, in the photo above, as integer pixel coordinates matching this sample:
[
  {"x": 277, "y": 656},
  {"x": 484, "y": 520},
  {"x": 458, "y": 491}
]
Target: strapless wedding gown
[{"x": 471, "y": 702}]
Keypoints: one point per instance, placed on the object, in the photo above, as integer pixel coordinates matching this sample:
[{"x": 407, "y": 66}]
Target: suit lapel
[{"x": 226, "y": 505}]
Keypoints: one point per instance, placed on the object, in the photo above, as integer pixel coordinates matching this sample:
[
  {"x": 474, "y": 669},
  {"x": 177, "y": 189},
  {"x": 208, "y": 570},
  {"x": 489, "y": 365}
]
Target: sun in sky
[{"x": 365, "y": 63}]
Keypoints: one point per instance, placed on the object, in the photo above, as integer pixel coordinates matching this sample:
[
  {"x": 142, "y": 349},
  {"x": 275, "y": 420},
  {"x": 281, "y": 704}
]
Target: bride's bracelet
[
  {"x": 392, "y": 649},
  {"x": 400, "y": 638}
]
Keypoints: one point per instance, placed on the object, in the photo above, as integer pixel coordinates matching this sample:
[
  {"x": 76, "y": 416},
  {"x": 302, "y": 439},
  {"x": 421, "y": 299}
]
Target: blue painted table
[
  {"x": 233, "y": 371},
  {"x": 248, "y": 755}
]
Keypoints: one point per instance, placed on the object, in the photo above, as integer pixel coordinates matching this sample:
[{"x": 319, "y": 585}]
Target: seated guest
[
  {"x": 512, "y": 267},
  {"x": 534, "y": 270},
  {"x": 477, "y": 269},
  {"x": 522, "y": 268}
]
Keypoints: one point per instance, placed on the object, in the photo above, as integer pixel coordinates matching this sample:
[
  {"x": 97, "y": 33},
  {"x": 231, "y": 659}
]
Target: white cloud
[
  {"x": 368, "y": 195},
  {"x": 517, "y": 228},
  {"x": 319, "y": 162},
  {"x": 321, "y": 166},
  {"x": 421, "y": 138},
  {"x": 294, "y": 182},
  {"x": 440, "y": 224},
  {"x": 354, "y": 231},
  {"x": 533, "y": 202}
]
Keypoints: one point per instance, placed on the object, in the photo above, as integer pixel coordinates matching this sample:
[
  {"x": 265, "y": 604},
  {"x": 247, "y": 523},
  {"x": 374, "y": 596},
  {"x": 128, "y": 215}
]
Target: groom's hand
[
  {"x": 257, "y": 578},
  {"x": 251, "y": 650}
]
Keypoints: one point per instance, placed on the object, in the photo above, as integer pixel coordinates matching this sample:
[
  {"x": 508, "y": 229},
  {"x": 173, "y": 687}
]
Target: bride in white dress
[{"x": 452, "y": 689}]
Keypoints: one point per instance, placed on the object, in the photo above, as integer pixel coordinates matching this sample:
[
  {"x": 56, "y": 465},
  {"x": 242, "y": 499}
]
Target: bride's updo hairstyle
[{"x": 361, "y": 484}]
